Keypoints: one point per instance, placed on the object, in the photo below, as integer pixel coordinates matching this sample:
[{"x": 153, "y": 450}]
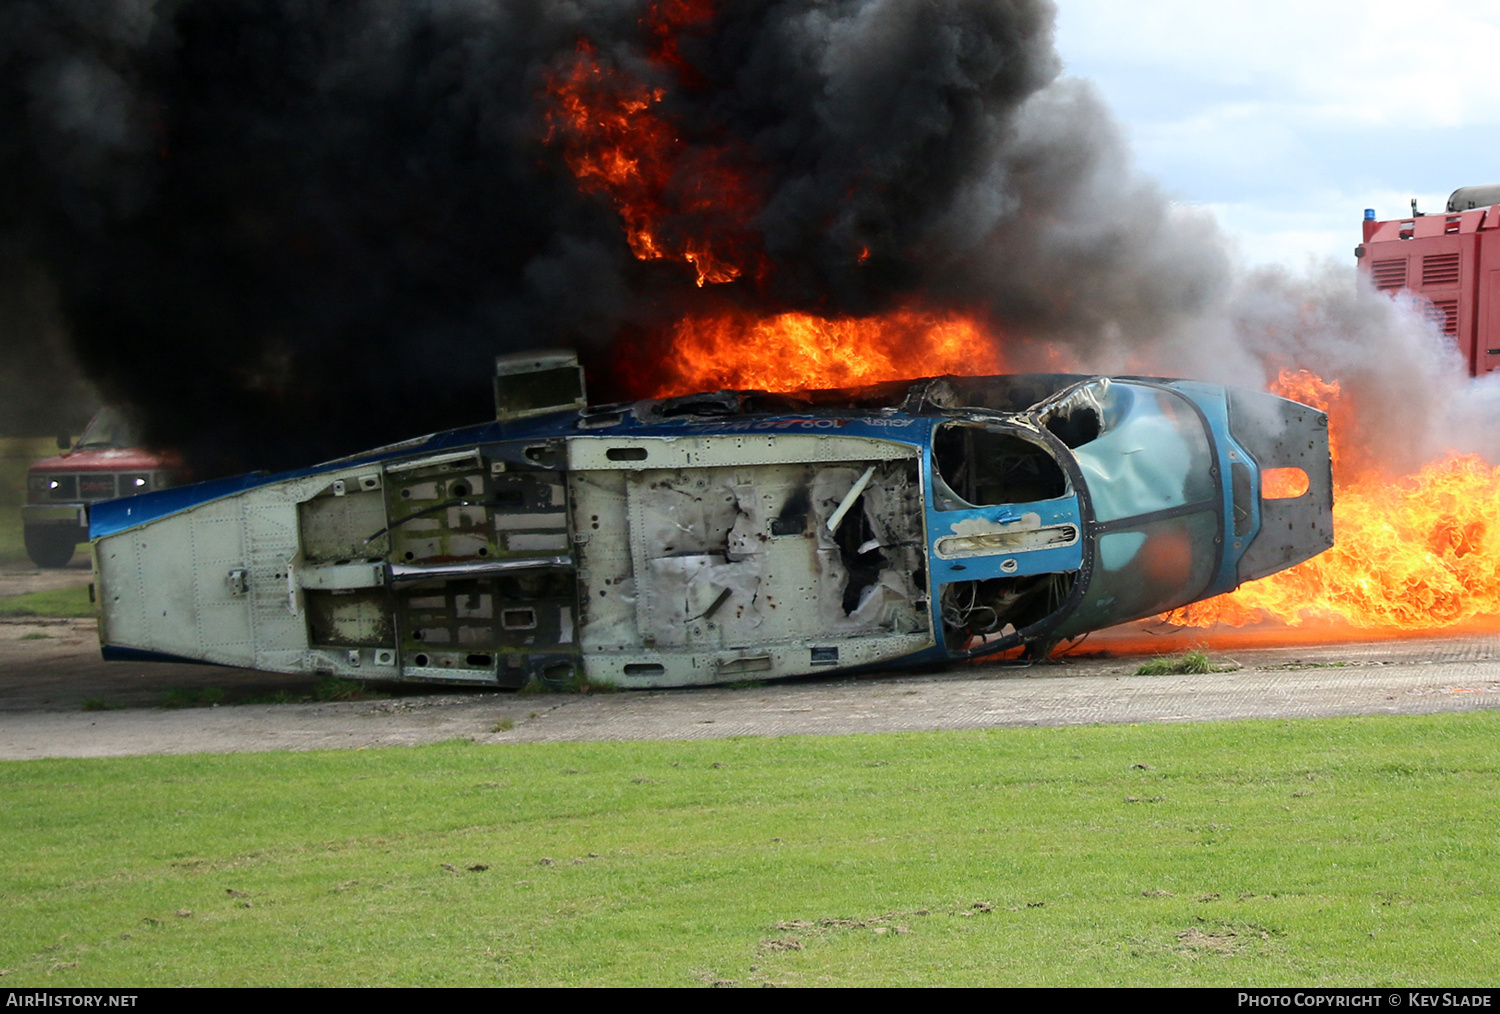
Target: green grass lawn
[
  {"x": 1344, "y": 851},
  {"x": 59, "y": 602}
]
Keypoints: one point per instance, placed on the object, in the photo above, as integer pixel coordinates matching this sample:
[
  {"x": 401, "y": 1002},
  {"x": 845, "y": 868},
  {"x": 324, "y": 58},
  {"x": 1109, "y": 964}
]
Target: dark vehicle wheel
[{"x": 48, "y": 548}]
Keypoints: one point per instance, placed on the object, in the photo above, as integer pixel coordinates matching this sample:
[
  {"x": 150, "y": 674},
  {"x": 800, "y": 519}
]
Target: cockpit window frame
[
  {"x": 1092, "y": 528},
  {"x": 1071, "y": 471},
  {"x": 1026, "y": 433},
  {"x": 1214, "y": 505}
]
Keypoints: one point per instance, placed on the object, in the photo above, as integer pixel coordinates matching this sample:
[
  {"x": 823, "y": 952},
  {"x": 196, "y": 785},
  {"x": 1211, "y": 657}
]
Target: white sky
[{"x": 1288, "y": 119}]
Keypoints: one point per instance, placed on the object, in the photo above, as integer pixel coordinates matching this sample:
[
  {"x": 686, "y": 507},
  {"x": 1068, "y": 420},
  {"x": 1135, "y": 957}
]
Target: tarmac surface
[
  {"x": 46, "y": 685},
  {"x": 58, "y": 698}
]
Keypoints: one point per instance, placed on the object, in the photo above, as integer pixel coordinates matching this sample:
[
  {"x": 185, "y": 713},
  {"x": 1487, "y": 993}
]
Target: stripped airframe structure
[{"x": 722, "y": 537}]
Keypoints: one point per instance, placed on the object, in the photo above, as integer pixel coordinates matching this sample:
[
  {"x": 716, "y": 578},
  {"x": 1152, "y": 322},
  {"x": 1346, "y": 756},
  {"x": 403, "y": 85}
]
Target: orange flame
[
  {"x": 1415, "y": 553},
  {"x": 1283, "y": 483},
  {"x": 797, "y": 351},
  {"x": 693, "y": 202},
  {"x": 682, "y": 201}
]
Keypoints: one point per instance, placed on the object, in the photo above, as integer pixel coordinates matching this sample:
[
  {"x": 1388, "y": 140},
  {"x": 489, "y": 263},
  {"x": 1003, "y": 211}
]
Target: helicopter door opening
[{"x": 978, "y": 467}]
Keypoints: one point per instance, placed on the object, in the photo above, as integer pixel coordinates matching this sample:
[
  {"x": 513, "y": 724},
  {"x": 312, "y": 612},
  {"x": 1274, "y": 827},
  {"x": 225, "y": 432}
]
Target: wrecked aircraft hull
[{"x": 723, "y": 537}]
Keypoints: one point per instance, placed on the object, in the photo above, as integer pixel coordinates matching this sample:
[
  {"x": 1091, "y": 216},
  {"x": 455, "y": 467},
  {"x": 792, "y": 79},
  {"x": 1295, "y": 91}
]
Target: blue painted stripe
[
  {"x": 115, "y": 653},
  {"x": 110, "y": 517}
]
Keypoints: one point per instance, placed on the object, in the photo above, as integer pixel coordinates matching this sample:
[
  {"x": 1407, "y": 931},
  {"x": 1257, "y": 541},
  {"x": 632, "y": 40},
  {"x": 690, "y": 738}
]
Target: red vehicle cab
[
  {"x": 106, "y": 463},
  {"x": 1451, "y": 263}
]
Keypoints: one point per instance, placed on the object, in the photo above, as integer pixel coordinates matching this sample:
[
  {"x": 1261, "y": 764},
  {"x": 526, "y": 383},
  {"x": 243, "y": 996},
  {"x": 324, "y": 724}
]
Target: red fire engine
[
  {"x": 107, "y": 462},
  {"x": 1449, "y": 261}
]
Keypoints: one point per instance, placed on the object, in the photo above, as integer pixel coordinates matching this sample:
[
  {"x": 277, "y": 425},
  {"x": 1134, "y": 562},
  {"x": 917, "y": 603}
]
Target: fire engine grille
[
  {"x": 1444, "y": 313},
  {"x": 91, "y": 486},
  {"x": 72, "y": 487},
  {"x": 1440, "y": 270},
  {"x": 1389, "y": 274},
  {"x": 96, "y": 486}
]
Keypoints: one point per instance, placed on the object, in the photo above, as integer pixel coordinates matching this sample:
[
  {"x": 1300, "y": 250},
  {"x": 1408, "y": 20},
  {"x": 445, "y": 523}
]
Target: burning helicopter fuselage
[{"x": 723, "y": 537}]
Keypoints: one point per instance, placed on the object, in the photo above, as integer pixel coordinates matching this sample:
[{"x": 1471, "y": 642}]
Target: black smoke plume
[{"x": 289, "y": 229}]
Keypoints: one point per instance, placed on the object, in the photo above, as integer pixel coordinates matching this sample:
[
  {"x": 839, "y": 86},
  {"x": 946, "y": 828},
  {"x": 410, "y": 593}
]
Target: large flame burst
[
  {"x": 694, "y": 204},
  {"x": 797, "y": 351},
  {"x": 1410, "y": 553},
  {"x": 678, "y": 201}
]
